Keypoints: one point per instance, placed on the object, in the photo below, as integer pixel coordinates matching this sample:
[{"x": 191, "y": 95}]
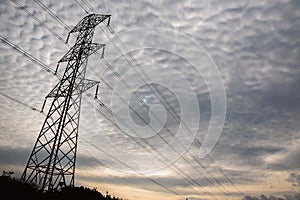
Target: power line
[
  {"x": 168, "y": 105},
  {"x": 117, "y": 75},
  {"x": 161, "y": 137},
  {"x": 187, "y": 178},
  {"x": 44, "y": 7},
  {"x": 38, "y": 20},
  {"x": 114, "y": 114},
  {"x": 128, "y": 166},
  {"x": 48, "y": 69},
  {"x": 89, "y": 5},
  {"x": 81, "y": 6},
  {"x": 35, "y": 109},
  {"x": 161, "y": 96},
  {"x": 32, "y": 58},
  {"x": 109, "y": 27},
  {"x": 19, "y": 102}
]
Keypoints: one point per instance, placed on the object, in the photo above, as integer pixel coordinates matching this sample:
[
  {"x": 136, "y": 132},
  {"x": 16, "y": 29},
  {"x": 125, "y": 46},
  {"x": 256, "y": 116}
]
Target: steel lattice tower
[{"x": 51, "y": 164}]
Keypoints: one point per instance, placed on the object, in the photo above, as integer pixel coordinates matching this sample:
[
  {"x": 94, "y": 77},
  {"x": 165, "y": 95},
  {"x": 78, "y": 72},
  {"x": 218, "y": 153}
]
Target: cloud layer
[{"x": 255, "y": 45}]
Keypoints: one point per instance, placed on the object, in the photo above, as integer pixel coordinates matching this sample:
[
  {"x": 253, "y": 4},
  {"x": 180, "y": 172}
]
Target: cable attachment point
[
  {"x": 96, "y": 93},
  {"x": 102, "y": 56},
  {"x": 43, "y": 105},
  {"x": 68, "y": 38},
  {"x": 56, "y": 69},
  {"x": 108, "y": 21}
]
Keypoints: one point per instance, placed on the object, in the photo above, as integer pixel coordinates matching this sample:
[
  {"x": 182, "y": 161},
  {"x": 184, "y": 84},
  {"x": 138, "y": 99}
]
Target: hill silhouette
[{"x": 12, "y": 188}]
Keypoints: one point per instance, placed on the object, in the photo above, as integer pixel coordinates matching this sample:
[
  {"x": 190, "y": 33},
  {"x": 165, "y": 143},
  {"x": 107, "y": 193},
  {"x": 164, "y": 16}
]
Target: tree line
[{"x": 12, "y": 188}]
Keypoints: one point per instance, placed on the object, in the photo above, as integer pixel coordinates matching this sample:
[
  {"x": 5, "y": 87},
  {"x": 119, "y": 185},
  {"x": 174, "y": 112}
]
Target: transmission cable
[
  {"x": 156, "y": 90},
  {"x": 57, "y": 17},
  {"x": 48, "y": 69}
]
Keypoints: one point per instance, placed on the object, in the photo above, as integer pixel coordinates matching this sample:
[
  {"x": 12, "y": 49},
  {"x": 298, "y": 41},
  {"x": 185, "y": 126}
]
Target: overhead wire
[
  {"x": 81, "y": 6},
  {"x": 52, "y": 13},
  {"x": 176, "y": 117},
  {"x": 159, "y": 96},
  {"x": 38, "y": 20},
  {"x": 131, "y": 168},
  {"x": 172, "y": 113},
  {"x": 227, "y": 193},
  {"x": 49, "y": 69},
  {"x": 170, "y": 109},
  {"x": 31, "y": 57},
  {"x": 88, "y": 94},
  {"x": 168, "y": 130},
  {"x": 44, "y": 7},
  {"x": 115, "y": 115},
  {"x": 187, "y": 177},
  {"x": 19, "y": 102}
]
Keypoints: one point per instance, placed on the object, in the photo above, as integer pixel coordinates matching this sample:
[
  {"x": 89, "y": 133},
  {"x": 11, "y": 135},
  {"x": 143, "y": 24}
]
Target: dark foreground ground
[{"x": 12, "y": 188}]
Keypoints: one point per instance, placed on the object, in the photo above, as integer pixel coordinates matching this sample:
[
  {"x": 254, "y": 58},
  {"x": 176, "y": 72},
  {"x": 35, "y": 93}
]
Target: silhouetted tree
[{"x": 11, "y": 188}]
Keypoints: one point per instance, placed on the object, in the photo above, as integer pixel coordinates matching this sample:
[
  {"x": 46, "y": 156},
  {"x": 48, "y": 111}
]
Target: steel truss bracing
[{"x": 51, "y": 164}]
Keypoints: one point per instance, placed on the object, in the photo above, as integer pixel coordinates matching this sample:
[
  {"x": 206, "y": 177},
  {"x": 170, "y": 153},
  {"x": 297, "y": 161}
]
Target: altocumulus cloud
[
  {"x": 255, "y": 45},
  {"x": 264, "y": 197}
]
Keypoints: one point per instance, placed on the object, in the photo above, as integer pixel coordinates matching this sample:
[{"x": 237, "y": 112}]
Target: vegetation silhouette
[{"x": 12, "y": 188}]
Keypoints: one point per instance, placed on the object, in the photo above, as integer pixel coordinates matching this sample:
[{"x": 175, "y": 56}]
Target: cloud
[
  {"x": 146, "y": 182},
  {"x": 285, "y": 160},
  {"x": 294, "y": 178},
  {"x": 254, "y": 43},
  {"x": 13, "y": 156},
  {"x": 18, "y": 156},
  {"x": 263, "y": 197},
  {"x": 248, "y": 155}
]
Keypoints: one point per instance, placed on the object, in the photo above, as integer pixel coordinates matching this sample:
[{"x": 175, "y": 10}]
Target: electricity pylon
[{"x": 51, "y": 164}]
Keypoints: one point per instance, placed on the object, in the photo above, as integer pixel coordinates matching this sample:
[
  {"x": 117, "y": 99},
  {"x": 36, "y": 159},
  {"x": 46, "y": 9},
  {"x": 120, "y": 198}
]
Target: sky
[{"x": 229, "y": 70}]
